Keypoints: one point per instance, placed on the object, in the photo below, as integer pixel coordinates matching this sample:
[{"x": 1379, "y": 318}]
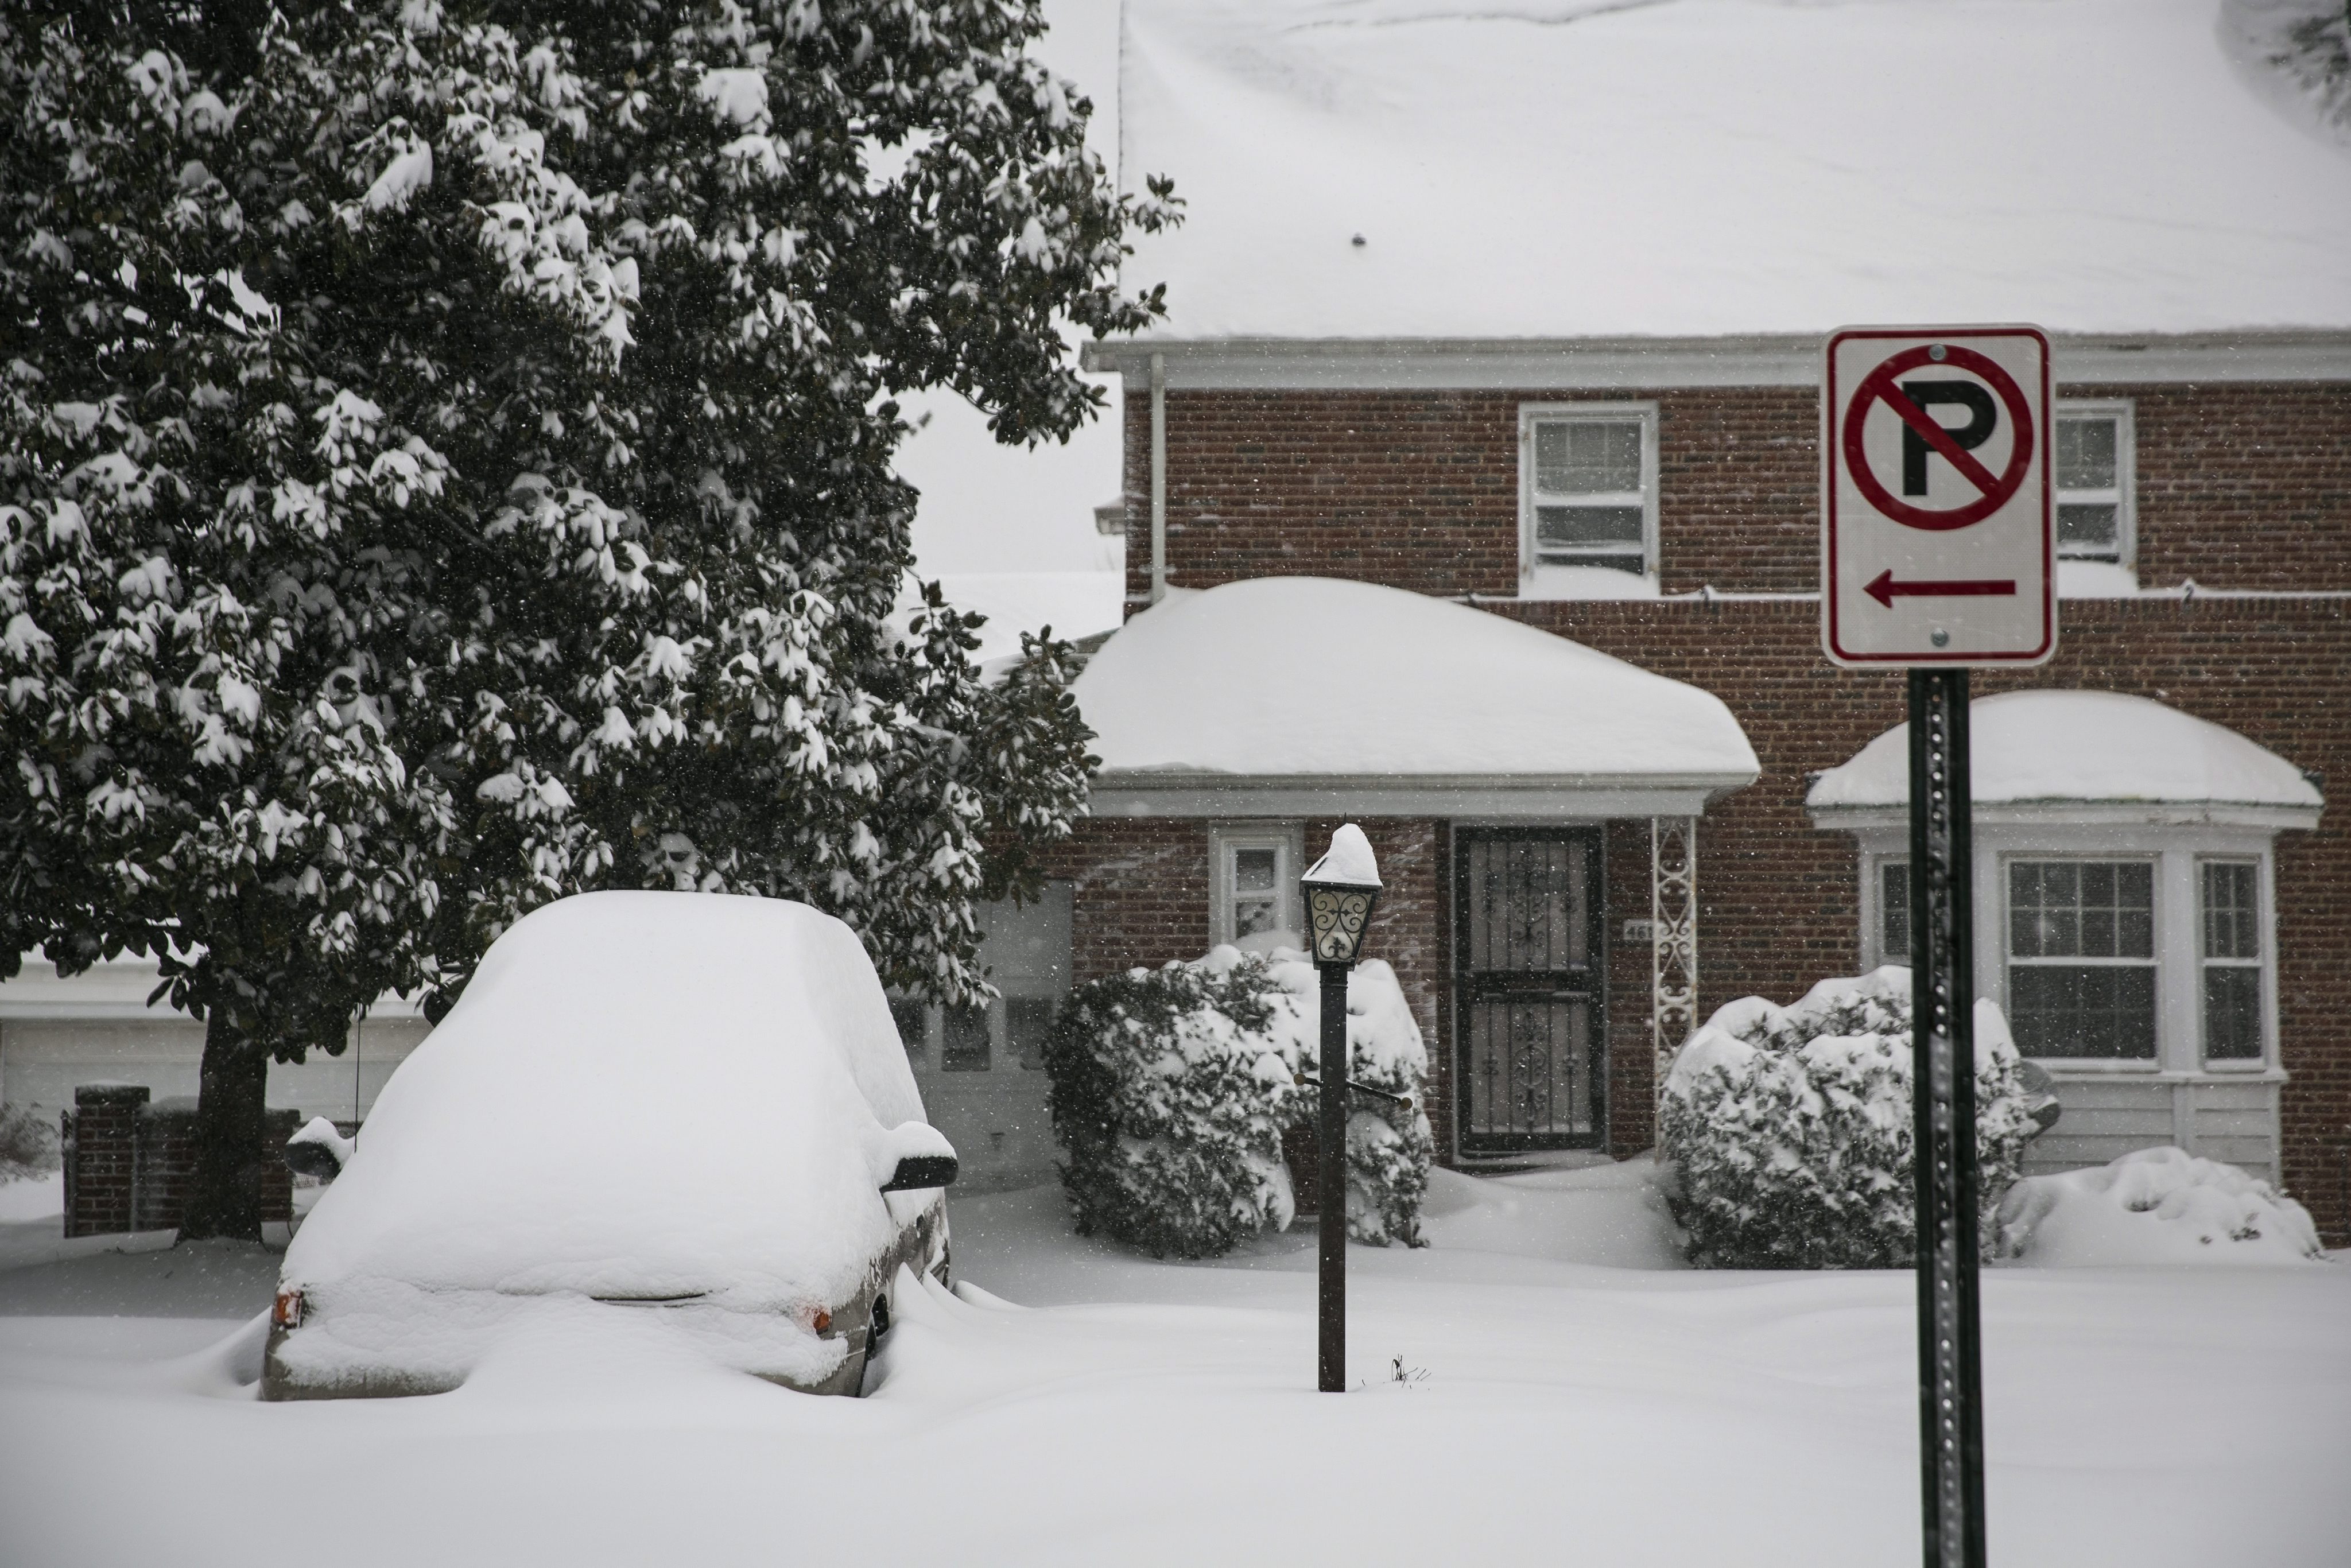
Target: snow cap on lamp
[{"x": 1340, "y": 890}]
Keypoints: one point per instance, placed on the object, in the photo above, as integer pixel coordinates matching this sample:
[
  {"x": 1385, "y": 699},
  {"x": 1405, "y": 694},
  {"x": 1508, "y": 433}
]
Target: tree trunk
[{"x": 232, "y": 1142}]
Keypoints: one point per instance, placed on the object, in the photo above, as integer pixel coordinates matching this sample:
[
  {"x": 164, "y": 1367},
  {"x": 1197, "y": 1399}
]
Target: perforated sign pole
[
  {"x": 1943, "y": 1120},
  {"x": 1938, "y": 554}
]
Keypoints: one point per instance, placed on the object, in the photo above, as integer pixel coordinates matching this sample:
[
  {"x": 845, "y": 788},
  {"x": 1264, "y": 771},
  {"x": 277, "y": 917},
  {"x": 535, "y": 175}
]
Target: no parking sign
[{"x": 1937, "y": 529}]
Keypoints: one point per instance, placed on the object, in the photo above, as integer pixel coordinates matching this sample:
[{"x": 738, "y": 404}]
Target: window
[
  {"x": 2093, "y": 466},
  {"x": 1893, "y": 911},
  {"x": 1255, "y": 879},
  {"x": 2080, "y": 958},
  {"x": 2232, "y": 960},
  {"x": 1026, "y": 1021},
  {"x": 963, "y": 1042},
  {"x": 1588, "y": 473}
]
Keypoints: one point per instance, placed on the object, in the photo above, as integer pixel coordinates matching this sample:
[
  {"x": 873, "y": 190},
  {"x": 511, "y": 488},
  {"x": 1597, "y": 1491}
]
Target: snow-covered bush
[
  {"x": 28, "y": 1143},
  {"x": 1789, "y": 1128},
  {"x": 2154, "y": 1206},
  {"x": 1171, "y": 1089}
]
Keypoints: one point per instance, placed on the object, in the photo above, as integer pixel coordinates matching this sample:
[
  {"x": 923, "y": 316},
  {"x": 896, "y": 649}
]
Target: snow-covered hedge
[
  {"x": 1171, "y": 1089},
  {"x": 28, "y": 1144},
  {"x": 2154, "y": 1206},
  {"x": 1789, "y": 1128}
]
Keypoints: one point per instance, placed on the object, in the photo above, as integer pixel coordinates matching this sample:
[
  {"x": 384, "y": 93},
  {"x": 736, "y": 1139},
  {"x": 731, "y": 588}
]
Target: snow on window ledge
[
  {"x": 1586, "y": 582},
  {"x": 2095, "y": 580}
]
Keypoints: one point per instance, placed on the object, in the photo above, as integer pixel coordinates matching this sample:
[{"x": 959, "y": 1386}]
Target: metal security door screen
[{"x": 1529, "y": 980}]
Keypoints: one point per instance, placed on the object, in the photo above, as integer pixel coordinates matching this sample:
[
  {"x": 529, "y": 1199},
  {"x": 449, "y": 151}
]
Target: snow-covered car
[{"x": 686, "y": 1103}]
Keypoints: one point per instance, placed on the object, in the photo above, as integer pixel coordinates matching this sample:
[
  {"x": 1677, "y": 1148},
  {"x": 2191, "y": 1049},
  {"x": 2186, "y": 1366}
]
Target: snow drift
[{"x": 2154, "y": 1206}]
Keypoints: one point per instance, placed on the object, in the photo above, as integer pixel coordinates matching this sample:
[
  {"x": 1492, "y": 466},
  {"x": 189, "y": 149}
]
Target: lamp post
[{"x": 1339, "y": 891}]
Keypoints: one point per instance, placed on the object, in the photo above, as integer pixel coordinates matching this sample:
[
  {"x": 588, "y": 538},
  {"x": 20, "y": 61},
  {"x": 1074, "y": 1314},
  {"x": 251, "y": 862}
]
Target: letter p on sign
[{"x": 1937, "y": 524}]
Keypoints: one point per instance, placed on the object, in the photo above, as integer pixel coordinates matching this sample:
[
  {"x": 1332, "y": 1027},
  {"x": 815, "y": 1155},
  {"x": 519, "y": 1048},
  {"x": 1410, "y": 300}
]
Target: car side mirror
[
  {"x": 313, "y": 1160},
  {"x": 318, "y": 1150},
  {"x": 916, "y": 1172}
]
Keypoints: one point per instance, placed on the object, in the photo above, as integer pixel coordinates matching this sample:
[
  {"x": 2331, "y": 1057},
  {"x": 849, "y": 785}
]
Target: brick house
[{"x": 1365, "y": 378}]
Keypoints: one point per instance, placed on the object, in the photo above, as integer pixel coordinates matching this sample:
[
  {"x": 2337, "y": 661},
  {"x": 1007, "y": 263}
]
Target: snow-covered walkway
[{"x": 1552, "y": 1409}]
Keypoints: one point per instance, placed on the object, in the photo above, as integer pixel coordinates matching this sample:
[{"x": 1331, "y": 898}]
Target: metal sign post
[
  {"x": 1937, "y": 553},
  {"x": 1943, "y": 1120}
]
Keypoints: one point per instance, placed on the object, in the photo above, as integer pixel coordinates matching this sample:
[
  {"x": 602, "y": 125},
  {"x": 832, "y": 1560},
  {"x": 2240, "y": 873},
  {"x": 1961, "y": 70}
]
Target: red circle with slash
[{"x": 1995, "y": 490}]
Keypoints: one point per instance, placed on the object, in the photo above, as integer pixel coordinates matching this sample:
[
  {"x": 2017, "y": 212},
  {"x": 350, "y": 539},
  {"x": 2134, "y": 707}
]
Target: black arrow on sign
[{"x": 1883, "y": 588}]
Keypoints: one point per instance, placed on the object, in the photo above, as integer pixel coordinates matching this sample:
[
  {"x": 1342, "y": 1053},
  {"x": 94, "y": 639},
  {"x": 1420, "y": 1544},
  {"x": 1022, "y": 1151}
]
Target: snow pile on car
[
  {"x": 1789, "y": 1129},
  {"x": 2154, "y": 1206},
  {"x": 640, "y": 1097},
  {"x": 1171, "y": 1089}
]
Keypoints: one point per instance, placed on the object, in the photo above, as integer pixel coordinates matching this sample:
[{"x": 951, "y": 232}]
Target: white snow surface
[
  {"x": 640, "y": 1095},
  {"x": 32, "y": 1197},
  {"x": 1300, "y": 676},
  {"x": 320, "y": 1131},
  {"x": 2080, "y": 746},
  {"x": 1348, "y": 859},
  {"x": 2159, "y": 1206},
  {"x": 1143, "y": 1413},
  {"x": 1573, "y": 168}
]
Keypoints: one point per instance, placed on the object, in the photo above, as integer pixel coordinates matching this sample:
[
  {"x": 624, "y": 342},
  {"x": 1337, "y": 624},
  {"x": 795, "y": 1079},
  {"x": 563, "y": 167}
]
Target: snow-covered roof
[
  {"x": 1480, "y": 169},
  {"x": 1325, "y": 679},
  {"x": 2081, "y": 747}
]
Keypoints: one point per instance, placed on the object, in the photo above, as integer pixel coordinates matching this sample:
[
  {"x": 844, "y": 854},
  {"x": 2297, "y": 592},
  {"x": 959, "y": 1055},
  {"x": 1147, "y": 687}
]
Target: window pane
[
  {"x": 2085, "y": 529},
  {"x": 2232, "y": 1011},
  {"x": 2230, "y": 928},
  {"x": 1026, "y": 1021},
  {"x": 1581, "y": 528},
  {"x": 2081, "y": 909},
  {"x": 2086, "y": 452},
  {"x": 1251, "y": 915},
  {"x": 913, "y": 1019},
  {"x": 964, "y": 1047},
  {"x": 1894, "y": 911},
  {"x": 2107, "y": 1011},
  {"x": 1254, "y": 869},
  {"x": 1588, "y": 457}
]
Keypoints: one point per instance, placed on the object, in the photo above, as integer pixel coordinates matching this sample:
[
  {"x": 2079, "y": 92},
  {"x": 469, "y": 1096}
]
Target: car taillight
[
  {"x": 821, "y": 1322},
  {"x": 286, "y": 1313}
]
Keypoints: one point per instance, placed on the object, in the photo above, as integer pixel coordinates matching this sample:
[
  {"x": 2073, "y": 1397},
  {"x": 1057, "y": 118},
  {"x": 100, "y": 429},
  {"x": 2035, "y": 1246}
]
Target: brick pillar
[
  {"x": 101, "y": 1162},
  {"x": 166, "y": 1157}
]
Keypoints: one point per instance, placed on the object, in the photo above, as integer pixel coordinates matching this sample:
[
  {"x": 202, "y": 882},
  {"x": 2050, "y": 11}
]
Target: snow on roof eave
[
  {"x": 1528, "y": 797},
  {"x": 1776, "y": 359},
  {"x": 2270, "y": 815}
]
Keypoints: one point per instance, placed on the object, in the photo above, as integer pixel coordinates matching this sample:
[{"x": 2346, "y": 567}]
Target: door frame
[{"x": 1466, "y": 1145}]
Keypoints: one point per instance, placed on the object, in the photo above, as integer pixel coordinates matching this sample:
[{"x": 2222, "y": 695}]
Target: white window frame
[
  {"x": 2158, "y": 918},
  {"x": 1286, "y": 840},
  {"x": 2180, "y": 853},
  {"x": 2125, "y": 494},
  {"x": 1537, "y": 580},
  {"x": 2265, "y": 929}
]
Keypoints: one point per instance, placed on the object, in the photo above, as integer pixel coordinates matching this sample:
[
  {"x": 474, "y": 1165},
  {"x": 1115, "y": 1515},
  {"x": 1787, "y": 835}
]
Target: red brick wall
[
  {"x": 1139, "y": 893},
  {"x": 2239, "y": 486},
  {"x": 127, "y": 1162}
]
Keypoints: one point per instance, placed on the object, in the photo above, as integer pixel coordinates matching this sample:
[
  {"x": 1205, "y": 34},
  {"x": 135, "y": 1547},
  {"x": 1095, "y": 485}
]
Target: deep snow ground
[{"x": 1140, "y": 1412}]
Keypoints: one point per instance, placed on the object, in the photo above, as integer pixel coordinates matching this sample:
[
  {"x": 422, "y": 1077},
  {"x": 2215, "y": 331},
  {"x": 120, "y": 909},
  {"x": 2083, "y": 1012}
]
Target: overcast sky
[{"x": 987, "y": 508}]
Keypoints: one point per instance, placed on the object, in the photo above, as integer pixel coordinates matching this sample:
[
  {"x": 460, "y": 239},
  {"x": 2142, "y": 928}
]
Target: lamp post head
[{"x": 1340, "y": 890}]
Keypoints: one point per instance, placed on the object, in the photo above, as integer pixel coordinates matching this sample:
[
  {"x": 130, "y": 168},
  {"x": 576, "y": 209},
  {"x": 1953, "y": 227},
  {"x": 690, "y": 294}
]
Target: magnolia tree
[{"x": 444, "y": 465}]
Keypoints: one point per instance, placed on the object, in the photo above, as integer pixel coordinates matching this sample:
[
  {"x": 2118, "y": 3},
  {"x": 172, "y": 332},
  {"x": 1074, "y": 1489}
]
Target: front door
[{"x": 1527, "y": 984}]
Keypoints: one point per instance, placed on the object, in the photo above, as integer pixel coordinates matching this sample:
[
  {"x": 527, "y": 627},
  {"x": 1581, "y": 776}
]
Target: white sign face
[{"x": 1938, "y": 543}]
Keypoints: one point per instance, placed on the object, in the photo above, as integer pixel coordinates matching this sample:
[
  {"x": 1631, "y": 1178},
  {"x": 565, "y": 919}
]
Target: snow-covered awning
[
  {"x": 2082, "y": 757},
  {"x": 1577, "y": 169},
  {"x": 1297, "y": 697}
]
